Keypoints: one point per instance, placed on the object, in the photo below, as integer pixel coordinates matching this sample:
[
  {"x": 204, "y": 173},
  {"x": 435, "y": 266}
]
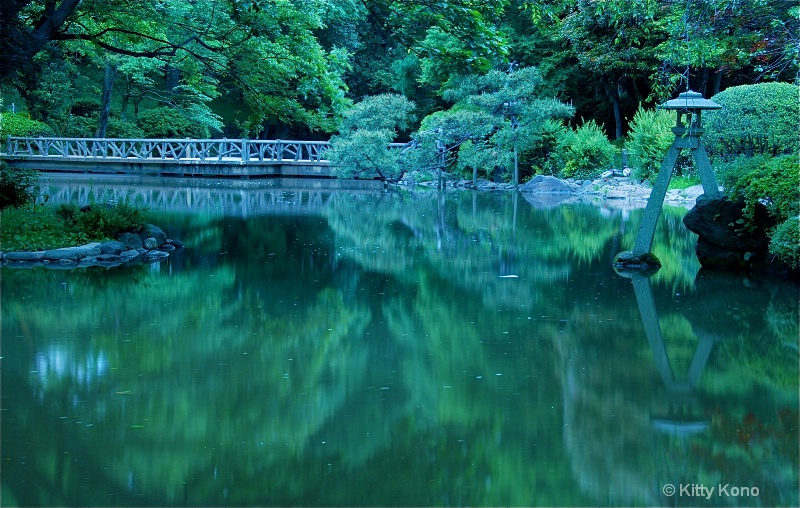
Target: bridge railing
[{"x": 245, "y": 150}]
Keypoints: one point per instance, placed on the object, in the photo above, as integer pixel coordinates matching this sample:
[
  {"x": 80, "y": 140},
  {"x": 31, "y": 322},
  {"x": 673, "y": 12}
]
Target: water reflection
[{"x": 377, "y": 352}]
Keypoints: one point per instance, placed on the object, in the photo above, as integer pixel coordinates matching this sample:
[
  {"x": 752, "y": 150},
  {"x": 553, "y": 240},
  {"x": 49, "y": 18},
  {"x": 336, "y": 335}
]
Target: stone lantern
[{"x": 689, "y": 107}]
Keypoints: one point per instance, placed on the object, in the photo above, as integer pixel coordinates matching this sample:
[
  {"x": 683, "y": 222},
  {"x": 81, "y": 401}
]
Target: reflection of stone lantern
[
  {"x": 689, "y": 107},
  {"x": 682, "y": 417}
]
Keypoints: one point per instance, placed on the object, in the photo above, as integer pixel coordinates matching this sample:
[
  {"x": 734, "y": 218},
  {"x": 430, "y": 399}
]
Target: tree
[
  {"x": 508, "y": 102},
  {"x": 362, "y": 147},
  {"x": 752, "y": 40},
  {"x": 265, "y": 49}
]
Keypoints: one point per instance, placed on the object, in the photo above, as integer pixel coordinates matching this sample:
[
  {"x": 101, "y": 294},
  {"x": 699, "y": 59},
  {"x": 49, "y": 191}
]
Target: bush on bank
[
  {"x": 31, "y": 226},
  {"x": 775, "y": 182},
  {"x": 17, "y": 186}
]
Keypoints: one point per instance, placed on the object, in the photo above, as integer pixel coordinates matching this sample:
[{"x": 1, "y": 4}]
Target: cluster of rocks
[
  {"x": 612, "y": 185},
  {"x": 148, "y": 244}
]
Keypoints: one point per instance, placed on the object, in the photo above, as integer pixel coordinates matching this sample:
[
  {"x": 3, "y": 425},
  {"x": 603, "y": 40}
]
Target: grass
[
  {"x": 683, "y": 181},
  {"x": 42, "y": 227}
]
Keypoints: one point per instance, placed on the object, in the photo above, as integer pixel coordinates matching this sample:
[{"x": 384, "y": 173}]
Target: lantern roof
[{"x": 690, "y": 100}]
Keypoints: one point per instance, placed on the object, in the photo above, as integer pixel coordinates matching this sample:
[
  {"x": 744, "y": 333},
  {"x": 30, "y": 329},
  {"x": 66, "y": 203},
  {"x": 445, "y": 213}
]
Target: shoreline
[{"x": 615, "y": 191}]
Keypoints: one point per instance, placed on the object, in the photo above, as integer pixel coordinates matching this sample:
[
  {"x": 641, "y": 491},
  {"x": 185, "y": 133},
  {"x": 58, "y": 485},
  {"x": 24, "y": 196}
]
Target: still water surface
[{"x": 368, "y": 348}]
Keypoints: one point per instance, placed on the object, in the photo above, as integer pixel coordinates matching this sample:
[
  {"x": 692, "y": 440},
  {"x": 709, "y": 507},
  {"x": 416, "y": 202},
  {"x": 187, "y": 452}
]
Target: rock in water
[
  {"x": 151, "y": 231},
  {"x": 728, "y": 241}
]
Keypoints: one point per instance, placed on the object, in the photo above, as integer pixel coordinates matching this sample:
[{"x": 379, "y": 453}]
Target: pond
[{"x": 323, "y": 347}]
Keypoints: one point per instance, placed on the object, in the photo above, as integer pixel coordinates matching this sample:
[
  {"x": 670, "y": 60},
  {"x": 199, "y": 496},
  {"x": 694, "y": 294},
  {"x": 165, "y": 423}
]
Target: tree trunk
[
  {"x": 613, "y": 94},
  {"x": 717, "y": 83},
  {"x": 19, "y": 44},
  {"x": 105, "y": 102},
  {"x": 173, "y": 78}
]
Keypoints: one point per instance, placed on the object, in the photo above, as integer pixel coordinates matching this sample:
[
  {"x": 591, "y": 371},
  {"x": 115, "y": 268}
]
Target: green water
[{"x": 375, "y": 348}]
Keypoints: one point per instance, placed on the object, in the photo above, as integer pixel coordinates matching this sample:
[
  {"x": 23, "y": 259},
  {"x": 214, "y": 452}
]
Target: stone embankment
[{"x": 148, "y": 245}]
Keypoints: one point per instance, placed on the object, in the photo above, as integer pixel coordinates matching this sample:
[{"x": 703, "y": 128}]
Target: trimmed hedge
[
  {"x": 20, "y": 124},
  {"x": 757, "y": 119}
]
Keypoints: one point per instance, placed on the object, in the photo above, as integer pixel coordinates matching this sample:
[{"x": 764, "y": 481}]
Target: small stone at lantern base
[{"x": 642, "y": 264}]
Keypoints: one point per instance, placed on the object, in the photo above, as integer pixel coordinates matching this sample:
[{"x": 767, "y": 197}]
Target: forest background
[{"x": 290, "y": 69}]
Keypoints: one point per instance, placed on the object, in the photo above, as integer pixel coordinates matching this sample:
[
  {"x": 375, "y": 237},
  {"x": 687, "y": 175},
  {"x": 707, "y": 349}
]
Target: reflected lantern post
[{"x": 688, "y": 106}]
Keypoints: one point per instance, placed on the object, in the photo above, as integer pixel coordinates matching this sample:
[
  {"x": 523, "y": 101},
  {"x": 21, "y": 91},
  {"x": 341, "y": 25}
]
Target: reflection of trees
[
  {"x": 373, "y": 355},
  {"x": 182, "y": 383},
  {"x": 630, "y": 426},
  {"x": 416, "y": 235}
]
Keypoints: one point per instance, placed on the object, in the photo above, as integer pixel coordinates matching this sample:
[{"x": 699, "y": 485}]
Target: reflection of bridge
[
  {"x": 184, "y": 157},
  {"x": 238, "y": 197}
]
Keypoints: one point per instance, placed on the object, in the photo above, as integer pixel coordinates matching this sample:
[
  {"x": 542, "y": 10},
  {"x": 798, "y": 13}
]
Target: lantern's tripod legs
[{"x": 647, "y": 229}]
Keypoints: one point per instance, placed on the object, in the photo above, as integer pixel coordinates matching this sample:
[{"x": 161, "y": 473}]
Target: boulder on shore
[
  {"x": 543, "y": 184},
  {"x": 728, "y": 241}
]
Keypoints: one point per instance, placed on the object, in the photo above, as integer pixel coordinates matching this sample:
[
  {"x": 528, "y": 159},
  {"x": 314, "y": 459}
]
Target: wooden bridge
[{"x": 180, "y": 157}]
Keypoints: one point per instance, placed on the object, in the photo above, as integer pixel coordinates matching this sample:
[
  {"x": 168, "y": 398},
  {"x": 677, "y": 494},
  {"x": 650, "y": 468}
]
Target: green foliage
[
  {"x": 754, "y": 119},
  {"x": 28, "y": 230},
  {"x": 585, "y": 152},
  {"x": 785, "y": 242},
  {"x": 683, "y": 181},
  {"x": 455, "y": 133},
  {"x": 49, "y": 227},
  {"x": 542, "y": 149},
  {"x": 17, "y": 186},
  {"x": 20, "y": 124},
  {"x": 774, "y": 181},
  {"x": 379, "y": 112},
  {"x": 500, "y": 112},
  {"x": 106, "y": 220},
  {"x": 121, "y": 129},
  {"x": 164, "y": 122},
  {"x": 480, "y": 158},
  {"x": 648, "y": 141},
  {"x": 85, "y": 107},
  {"x": 80, "y": 127},
  {"x": 362, "y": 146}
]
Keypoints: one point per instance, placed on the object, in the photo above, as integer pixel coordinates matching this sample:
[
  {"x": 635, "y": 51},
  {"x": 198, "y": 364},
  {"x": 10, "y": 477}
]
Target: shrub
[
  {"x": 20, "y": 124},
  {"x": 80, "y": 127},
  {"x": 774, "y": 181},
  {"x": 17, "y": 186},
  {"x": 648, "y": 141},
  {"x": 585, "y": 152},
  {"x": 105, "y": 220},
  {"x": 540, "y": 155},
  {"x": 785, "y": 242},
  {"x": 754, "y": 119},
  {"x": 166, "y": 122},
  {"x": 26, "y": 230},
  {"x": 122, "y": 129},
  {"x": 51, "y": 227},
  {"x": 85, "y": 107}
]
